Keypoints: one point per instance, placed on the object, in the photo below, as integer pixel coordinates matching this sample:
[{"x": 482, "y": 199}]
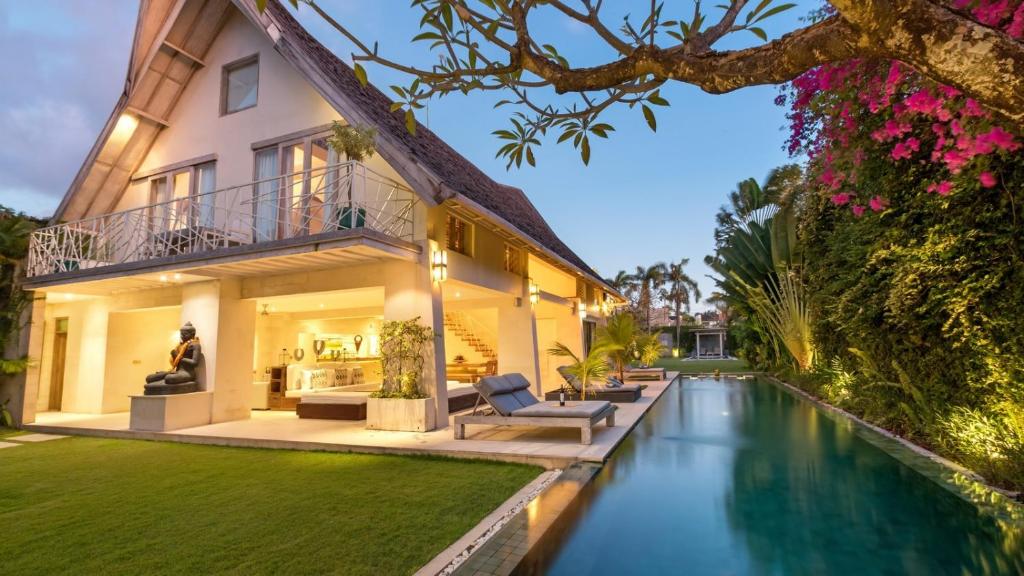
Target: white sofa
[{"x": 302, "y": 379}]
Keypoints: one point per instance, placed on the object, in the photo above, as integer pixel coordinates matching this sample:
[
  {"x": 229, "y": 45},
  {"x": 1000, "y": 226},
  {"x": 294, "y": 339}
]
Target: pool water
[{"x": 741, "y": 477}]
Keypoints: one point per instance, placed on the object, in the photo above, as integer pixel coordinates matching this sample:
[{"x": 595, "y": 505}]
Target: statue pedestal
[{"x": 170, "y": 412}]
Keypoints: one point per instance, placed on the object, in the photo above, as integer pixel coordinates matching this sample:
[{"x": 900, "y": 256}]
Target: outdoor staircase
[{"x": 472, "y": 335}]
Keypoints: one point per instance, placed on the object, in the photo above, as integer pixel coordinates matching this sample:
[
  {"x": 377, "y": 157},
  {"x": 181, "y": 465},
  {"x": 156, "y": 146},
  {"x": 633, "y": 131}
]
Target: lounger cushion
[
  {"x": 571, "y": 379},
  {"x": 586, "y": 409},
  {"x": 498, "y": 392},
  {"x": 525, "y": 397},
  {"x": 613, "y": 382},
  {"x": 521, "y": 389},
  {"x": 493, "y": 385}
]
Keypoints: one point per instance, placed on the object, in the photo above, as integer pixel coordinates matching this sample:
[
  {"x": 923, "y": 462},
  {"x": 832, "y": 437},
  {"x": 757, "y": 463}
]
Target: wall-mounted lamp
[
  {"x": 534, "y": 292},
  {"x": 581, "y": 308},
  {"x": 439, "y": 265}
]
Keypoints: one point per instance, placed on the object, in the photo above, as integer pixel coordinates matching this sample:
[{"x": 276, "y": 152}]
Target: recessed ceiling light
[
  {"x": 177, "y": 276},
  {"x": 163, "y": 277},
  {"x": 321, "y": 304},
  {"x": 458, "y": 294}
]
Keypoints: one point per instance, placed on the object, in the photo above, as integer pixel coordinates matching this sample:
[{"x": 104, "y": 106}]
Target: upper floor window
[
  {"x": 240, "y": 84},
  {"x": 512, "y": 261},
  {"x": 460, "y": 235}
]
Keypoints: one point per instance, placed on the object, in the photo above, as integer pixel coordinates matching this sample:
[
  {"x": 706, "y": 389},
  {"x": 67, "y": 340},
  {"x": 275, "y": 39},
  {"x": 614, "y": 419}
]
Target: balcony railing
[{"x": 302, "y": 204}]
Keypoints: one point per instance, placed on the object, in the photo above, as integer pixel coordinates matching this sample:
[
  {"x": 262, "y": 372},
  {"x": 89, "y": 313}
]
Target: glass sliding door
[{"x": 266, "y": 202}]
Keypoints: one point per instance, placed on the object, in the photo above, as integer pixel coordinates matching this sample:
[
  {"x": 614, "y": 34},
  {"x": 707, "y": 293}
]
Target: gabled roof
[
  {"x": 455, "y": 173},
  {"x": 172, "y": 37}
]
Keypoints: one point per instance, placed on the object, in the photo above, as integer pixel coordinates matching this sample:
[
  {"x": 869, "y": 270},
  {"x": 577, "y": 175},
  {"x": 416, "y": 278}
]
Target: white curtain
[
  {"x": 265, "y": 195},
  {"x": 207, "y": 176}
]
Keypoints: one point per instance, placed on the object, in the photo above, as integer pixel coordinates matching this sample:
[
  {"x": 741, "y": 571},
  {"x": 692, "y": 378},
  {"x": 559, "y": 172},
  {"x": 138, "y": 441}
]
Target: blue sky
[{"x": 645, "y": 197}]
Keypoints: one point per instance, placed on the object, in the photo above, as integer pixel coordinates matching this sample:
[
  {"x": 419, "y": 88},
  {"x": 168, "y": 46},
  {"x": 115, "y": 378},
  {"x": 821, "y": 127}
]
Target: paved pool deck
[{"x": 548, "y": 447}]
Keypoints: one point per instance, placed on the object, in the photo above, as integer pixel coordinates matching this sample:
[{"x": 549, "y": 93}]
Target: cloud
[{"x": 64, "y": 66}]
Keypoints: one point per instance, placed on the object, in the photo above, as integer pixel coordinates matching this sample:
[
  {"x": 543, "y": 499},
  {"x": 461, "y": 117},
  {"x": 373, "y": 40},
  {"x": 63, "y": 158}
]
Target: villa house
[{"x": 212, "y": 196}]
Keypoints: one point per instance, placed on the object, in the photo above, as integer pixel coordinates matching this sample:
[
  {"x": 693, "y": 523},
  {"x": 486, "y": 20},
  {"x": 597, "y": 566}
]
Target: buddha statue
[{"x": 181, "y": 378}]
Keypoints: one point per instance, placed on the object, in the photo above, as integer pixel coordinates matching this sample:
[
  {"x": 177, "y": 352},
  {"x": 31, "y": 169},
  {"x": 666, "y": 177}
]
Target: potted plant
[
  {"x": 356, "y": 144},
  {"x": 401, "y": 403}
]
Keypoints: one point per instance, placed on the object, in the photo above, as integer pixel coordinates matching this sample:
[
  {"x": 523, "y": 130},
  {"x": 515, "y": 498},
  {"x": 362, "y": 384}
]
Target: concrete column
[
  {"x": 517, "y": 339},
  {"x": 697, "y": 334},
  {"x": 86, "y": 362},
  {"x": 721, "y": 346},
  {"x": 410, "y": 292},
  {"x": 226, "y": 327},
  {"x": 23, "y": 389}
]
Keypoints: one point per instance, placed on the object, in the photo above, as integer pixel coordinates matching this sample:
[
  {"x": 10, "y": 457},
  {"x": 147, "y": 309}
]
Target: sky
[{"x": 645, "y": 197}]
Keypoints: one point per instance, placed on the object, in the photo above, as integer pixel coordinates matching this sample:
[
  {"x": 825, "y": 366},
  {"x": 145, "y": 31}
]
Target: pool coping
[{"x": 963, "y": 482}]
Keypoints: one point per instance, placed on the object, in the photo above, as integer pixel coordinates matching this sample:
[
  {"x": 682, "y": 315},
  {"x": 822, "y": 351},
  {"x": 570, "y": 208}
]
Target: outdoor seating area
[{"x": 547, "y": 446}]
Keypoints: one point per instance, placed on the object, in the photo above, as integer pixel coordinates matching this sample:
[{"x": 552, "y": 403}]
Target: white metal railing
[{"x": 326, "y": 199}]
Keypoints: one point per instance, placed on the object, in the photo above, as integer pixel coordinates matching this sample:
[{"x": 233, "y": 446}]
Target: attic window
[{"x": 240, "y": 84}]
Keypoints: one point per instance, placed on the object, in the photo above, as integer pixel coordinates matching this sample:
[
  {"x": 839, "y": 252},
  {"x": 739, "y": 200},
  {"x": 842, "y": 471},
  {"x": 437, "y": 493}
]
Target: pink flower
[
  {"x": 841, "y": 198},
  {"x": 878, "y": 204},
  {"x": 858, "y": 210},
  {"x": 1000, "y": 139},
  {"x": 922, "y": 101},
  {"x": 972, "y": 108},
  {"x": 1016, "y": 29},
  {"x": 944, "y": 188},
  {"x": 987, "y": 179},
  {"x": 949, "y": 91}
]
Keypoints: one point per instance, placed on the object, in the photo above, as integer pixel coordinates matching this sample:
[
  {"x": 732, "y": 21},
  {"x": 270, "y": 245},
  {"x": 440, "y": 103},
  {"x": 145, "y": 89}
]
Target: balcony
[{"x": 345, "y": 200}]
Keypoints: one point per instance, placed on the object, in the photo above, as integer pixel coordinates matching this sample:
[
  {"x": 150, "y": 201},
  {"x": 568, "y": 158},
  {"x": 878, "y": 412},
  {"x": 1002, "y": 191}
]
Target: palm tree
[
  {"x": 751, "y": 202},
  {"x": 593, "y": 367},
  {"x": 720, "y": 303},
  {"x": 623, "y": 283},
  {"x": 618, "y": 336},
  {"x": 647, "y": 281},
  {"x": 681, "y": 288}
]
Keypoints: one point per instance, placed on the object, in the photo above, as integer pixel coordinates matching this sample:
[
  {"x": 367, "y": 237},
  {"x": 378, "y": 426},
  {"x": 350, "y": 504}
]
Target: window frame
[
  {"x": 168, "y": 175},
  {"x": 467, "y": 235},
  {"x": 226, "y": 70},
  {"x": 513, "y": 261}
]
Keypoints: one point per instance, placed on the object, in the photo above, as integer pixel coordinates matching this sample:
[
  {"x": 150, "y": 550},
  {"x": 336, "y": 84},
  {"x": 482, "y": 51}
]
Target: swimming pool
[{"x": 743, "y": 477}]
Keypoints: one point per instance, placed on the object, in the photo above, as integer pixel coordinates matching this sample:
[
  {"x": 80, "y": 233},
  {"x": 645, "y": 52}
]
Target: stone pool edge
[{"x": 965, "y": 483}]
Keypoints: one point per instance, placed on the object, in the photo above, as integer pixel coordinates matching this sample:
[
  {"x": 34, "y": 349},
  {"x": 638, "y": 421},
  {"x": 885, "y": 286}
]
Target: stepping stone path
[{"x": 35, "y": 437}]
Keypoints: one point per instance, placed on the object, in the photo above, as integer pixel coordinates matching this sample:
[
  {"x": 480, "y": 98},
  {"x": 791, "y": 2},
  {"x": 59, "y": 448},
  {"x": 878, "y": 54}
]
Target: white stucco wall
[{"x": 286, "y": 104}]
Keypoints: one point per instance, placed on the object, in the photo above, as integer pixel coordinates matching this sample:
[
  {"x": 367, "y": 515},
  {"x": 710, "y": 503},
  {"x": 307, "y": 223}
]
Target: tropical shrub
[
  {"x": 911, "y": 226},
  {"x": 618, "y": 337}
]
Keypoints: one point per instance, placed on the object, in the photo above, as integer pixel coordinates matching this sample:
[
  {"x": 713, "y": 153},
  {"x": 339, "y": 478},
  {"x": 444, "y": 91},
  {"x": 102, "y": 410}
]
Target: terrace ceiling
[{"x": 171, "y": 40}]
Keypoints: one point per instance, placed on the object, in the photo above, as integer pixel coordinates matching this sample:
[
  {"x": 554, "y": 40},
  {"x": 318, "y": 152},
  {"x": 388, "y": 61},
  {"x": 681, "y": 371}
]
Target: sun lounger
[
  {"x": 606, "y": 391},
  {"x": 513, "y": 404},
  {"x": 645, "y": 374}
]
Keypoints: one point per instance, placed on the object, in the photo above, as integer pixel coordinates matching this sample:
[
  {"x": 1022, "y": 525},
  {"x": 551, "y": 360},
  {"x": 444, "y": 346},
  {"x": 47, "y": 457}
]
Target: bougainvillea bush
[{"x": 915, "y": 253}]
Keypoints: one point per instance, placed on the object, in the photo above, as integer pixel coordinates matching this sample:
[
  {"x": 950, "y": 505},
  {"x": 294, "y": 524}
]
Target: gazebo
[{"x": 710, "y": 342}]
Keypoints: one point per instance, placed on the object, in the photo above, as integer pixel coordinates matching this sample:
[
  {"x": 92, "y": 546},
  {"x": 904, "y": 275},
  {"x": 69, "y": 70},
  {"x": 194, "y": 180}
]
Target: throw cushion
[{"x": 341, "y": 377}]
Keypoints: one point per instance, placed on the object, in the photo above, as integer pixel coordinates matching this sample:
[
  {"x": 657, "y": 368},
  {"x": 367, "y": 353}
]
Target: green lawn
[
  {"x": 8, "y": 432},
  {"x": 100, "y": 506},
  {"x": 702, "y": 366}
]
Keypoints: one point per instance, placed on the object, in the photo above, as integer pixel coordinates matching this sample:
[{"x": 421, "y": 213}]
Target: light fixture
[
  {"x": 439, "y": 266},
  {"x": 264, "y": 312},
  {"x": 458, "y": 294},
  {"x": 177, "y": 276},
  {"x": 163, "y": 277},
  {"x": 581, "y": 308},
  {"x": 321, "y": 304},
  {"x": 534, "y": 292}
]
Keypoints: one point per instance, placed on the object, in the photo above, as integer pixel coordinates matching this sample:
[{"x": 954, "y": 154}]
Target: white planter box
[{"x": 401, "y": 414}]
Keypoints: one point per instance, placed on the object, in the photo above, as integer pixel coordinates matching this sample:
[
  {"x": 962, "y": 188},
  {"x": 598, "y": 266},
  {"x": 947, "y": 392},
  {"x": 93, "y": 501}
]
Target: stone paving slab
[
  {"x": 8, "y": 445},
  {"x": 36, "y": 437}
]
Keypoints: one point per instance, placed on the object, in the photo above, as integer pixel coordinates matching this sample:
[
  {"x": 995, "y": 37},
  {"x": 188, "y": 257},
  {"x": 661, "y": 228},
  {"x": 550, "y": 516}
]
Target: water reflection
[{"x": 738, "y": 477}]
